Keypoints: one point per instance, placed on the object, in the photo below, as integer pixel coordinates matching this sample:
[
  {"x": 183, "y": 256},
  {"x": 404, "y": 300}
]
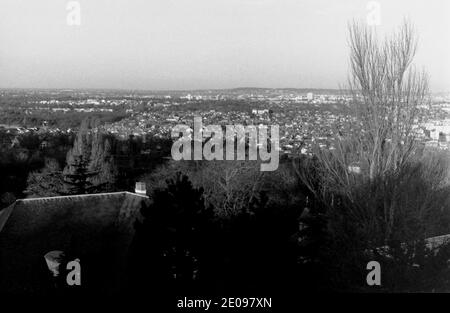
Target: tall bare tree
[{"x": 387, "y": 91}]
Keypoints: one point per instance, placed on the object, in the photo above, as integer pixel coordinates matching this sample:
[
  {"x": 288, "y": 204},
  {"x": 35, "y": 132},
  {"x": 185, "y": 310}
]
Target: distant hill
[
  {"x": 284, "y": 90},
  {"x": 242, "y": 90}
]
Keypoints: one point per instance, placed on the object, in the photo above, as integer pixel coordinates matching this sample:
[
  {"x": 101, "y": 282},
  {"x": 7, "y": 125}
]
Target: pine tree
[
  {"x": 77, "y": 180},
  {"x": 169, "y": 246},
  {"x": 91, "y": 157}
]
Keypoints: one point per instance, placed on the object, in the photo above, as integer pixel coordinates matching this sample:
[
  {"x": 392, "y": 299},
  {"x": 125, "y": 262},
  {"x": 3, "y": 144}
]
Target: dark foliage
[
  {"x": 181, "y": 247},
  {"x": 78, "y": 180},
  {"x": 171, "y": 241}
]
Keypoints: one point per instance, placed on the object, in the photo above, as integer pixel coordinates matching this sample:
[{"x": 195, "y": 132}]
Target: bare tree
[
  {"x": 232, "y": 185},
  {"x": 387, "y": 91}
]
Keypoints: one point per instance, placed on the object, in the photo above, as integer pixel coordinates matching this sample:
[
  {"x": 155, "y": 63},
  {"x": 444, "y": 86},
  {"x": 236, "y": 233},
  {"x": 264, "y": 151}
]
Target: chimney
[{"x": 140, "y": 188}]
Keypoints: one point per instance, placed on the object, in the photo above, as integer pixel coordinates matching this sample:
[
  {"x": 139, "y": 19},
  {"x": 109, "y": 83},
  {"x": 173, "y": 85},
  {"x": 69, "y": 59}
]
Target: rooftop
[{"x": 96, "y": 228}]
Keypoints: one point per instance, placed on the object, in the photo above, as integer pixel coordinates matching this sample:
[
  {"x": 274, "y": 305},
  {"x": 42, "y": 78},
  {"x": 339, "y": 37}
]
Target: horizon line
[{"x": 182, "y": 90}]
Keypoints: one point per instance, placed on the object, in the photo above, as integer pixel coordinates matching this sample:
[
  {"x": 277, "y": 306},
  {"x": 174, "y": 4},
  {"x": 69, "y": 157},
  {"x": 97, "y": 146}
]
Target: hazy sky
[{"x": 190, "y": 44}]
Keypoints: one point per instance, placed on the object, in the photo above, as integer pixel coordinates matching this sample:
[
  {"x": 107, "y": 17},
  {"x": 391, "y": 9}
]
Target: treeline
[
  {"x": 62, "y": 120},
  {"x": 225, "y": 228},
  {"x": 39, "y": 164},
  {"x": 21, "y": 154}
]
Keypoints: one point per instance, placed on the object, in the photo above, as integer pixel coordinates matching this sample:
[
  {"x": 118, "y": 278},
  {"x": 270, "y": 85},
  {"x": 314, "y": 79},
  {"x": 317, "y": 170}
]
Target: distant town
[{"x": 305, "y": 116}]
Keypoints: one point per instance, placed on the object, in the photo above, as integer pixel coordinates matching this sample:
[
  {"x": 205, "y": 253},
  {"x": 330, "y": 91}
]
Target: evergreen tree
[
  {"x": 77, "y": 180},
  {"x": 90, "y": 162},
  {"x": 170, "y": 242}
]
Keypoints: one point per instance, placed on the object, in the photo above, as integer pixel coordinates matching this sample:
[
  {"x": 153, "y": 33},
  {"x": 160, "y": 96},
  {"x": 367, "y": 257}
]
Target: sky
[{"x": 203, "y": 44}]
